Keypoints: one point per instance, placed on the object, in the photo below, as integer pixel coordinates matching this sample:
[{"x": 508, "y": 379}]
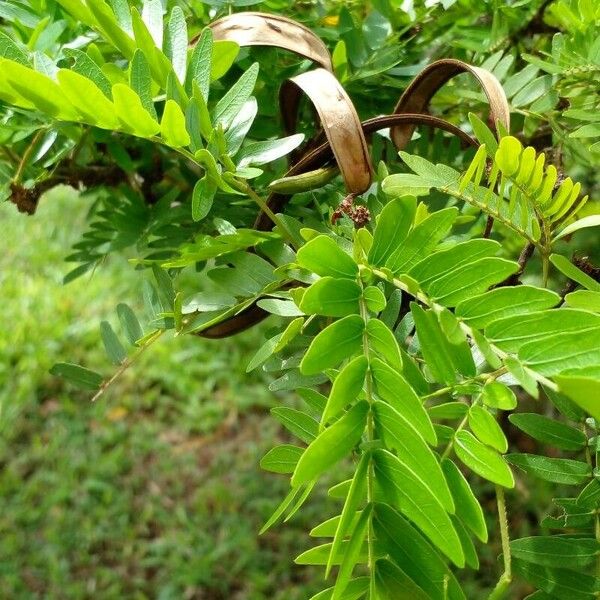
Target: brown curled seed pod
[
  {"x": 423, "y": 87},
  {"x": 339, "y": 119},
  {"x": 259, "y": 29}
]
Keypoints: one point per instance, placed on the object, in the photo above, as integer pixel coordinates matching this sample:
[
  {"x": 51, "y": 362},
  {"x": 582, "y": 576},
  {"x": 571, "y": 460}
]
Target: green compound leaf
[
  {"x": 409, "y": 549},
  {"x": 393, "y": 225},
  {"x": 486, "y": 428},
  {"x": 324, "y": 257},
  {"x": 332, "y": 345},
  {"x": 549, "y": 431},
  {"x": 422, "y": 240},
  {"x": 468, "y": 509},
  {"x": 333, "y": 444},
  {"x": 396, "y": 391},
  {"x": 356, "y": 495},
  {"x": 331, "y": 297},
  {"x": 555, "y": 551},
  {"x": 412, "y": 450},
  {"x": 482, "y": 459},
  {"x": 77, "y": 375},
  {"x": 392, "y": 583},
  {"x": 419, "y": 503},
  {"x": 556, "y": 470},
  {"x": 281, "y": 459},
  {"x": 346, "y": 388},
  {"x": 112, "y": 344}
]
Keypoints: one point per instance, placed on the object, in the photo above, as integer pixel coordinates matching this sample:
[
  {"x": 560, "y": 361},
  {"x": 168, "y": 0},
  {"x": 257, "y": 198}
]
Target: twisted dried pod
[{"x": 345, "y": 137}]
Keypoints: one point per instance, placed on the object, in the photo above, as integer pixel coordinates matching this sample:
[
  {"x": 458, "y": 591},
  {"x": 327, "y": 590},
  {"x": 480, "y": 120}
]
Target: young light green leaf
[
  {"x": 172, "y": 126},
  {"x": 584, "y": 389},
  {"x": 468, "y": 509},
  {"x": 374, "y": 298},
  {"x": 110, "y": 27},
  {"x": 132, "y": 113},
  {"x": 486, "y": 428},
  {"x": 224, "y": 55},
  {"x": 556, "y": 470},
  {"x": 85, "y": 66},
  {"x": 346, "y": 388},
  {"x": 549, "y": 431},
  {"x": 525, "y": 377},
  {"x": 566, "y": 267},
  {"x": 461, "y": 354},
  {"x": 584, "y": 299},
  {"x": 290, "y": 332},
  {"x": 589, "y": 221},
  {"x": 324, "y": 257},
  {"x": 283, "y": 506},
  {"x": 331, "y": 297},
  {"x": 483, "y": 133},
  {"x": 39, "y": 90},
  {"x": 333, "y": 444},
  {"x": 354, "y": 591},
  {"x": 112, "y": 344},
  {"x": 482, "y": 459},
  {"x": 88, "y": 99}
]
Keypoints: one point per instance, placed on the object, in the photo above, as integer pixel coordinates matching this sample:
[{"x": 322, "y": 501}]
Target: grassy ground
[{"x": 154, "y": 491}]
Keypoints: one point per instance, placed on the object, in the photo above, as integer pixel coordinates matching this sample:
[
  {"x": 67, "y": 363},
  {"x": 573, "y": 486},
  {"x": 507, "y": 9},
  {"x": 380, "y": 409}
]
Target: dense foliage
[{"x": 412, "y": 317}]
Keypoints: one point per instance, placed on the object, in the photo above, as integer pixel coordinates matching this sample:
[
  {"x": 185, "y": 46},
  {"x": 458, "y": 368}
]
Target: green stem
[
  {"x": 27, "y": 155},
  {"x": 126, "y": 364},
  {"x": 505, "y": 580},
  {"x": 451, "y": 442},
  {"x": 370, "y": 437},
  {"x": 243, "y": 186}
]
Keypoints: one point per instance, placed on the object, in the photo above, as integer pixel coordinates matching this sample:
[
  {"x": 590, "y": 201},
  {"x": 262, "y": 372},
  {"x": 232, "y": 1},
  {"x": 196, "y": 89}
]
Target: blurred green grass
[{"x": 155, "y": 490}]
